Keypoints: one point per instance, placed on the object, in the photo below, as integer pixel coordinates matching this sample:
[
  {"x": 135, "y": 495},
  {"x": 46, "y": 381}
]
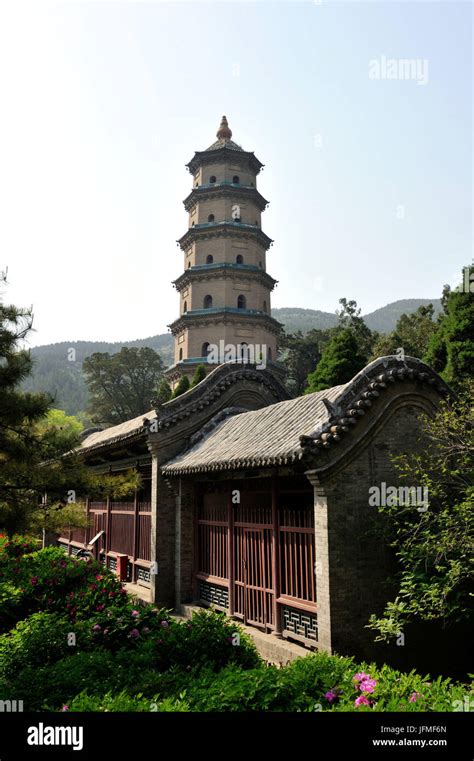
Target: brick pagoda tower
[{"x": 225, "y": 288}]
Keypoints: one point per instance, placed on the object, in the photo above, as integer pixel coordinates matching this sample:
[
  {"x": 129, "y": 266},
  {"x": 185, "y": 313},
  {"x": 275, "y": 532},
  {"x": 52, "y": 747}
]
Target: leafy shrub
[
  {"x": 48, "y": 580},
  {"x": 17, "y": 545},
  {"x": 41, "y": 639},
  {"x": 124, "y": 702},
  {"x": 209, "y": 640}
]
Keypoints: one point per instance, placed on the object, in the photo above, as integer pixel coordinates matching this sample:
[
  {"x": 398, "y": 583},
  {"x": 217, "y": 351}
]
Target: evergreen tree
[
  {"x": 451, "y": 350},
  {"x": 165, "y": 392},
  {"x": 38, "y": 485},
  {"x": 199, "y": 375},
  {"x": 182, "y": 386},
  {"x": 340, "y": 361}
]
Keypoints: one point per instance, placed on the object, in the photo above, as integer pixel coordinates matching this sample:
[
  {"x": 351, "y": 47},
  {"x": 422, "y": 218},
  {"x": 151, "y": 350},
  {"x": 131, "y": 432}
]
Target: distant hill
[
  {"x": 383, "y": 320},
  {"x": 56, "y": 374}
]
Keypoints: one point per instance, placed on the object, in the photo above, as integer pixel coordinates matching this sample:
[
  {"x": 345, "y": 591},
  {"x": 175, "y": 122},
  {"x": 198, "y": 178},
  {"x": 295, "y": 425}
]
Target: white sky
[{"x": 102, "y": 104}]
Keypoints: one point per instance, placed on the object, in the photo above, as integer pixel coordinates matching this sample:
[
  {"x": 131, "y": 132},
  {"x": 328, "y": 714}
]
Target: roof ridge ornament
[{"x": 224, "y": 132}]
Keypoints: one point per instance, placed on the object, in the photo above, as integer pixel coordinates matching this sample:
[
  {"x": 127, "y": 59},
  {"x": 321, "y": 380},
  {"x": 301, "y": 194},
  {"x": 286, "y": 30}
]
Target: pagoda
[{"x": 224, "y": 289}]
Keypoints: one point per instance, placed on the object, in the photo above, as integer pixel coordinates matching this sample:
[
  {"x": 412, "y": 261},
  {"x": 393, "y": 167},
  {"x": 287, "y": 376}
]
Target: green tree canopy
[
  {"x": 301, "y": 353},
  {"x": 451, "y": 349},
  {"x": 38, "y": 485},
  {"x": 349, "y": 317},
  {"x": 413, "y": 333},
  {"x": 182, "y": 386},
  {"x": 122, "y": 385},
  {"x": 165, "y": 392},
  {"x": 199, "y": 375},
  {"x": 340, "y": 361}
]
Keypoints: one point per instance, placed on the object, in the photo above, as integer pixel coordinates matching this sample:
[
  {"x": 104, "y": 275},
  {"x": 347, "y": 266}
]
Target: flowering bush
[
  {"x": 125, "y": 655},
  {"x": 17, "y": 545}
]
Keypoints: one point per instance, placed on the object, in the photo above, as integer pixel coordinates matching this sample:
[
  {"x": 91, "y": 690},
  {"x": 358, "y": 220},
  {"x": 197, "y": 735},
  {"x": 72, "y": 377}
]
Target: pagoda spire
[{"x": 224, "y": 132}]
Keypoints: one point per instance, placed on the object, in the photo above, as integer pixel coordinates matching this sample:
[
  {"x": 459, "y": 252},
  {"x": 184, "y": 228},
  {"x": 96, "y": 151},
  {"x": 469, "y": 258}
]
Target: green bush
[
  {"x": 41, "y": 639},
  {"x": 126, "y": 703},
  {"x": 322, "y": 682},
  {"x": 17, "y": 545}
]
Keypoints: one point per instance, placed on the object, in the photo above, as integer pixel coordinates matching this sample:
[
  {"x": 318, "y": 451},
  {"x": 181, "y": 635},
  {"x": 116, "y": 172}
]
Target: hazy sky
[{"x": 102, "y": 104}]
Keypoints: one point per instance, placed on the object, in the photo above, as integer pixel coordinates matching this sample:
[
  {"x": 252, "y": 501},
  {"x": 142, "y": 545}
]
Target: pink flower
[
  {"x": 65, "y": 708},
  {"x": 96, "y": 628},
  {"x": 330, "y": 696},
  {"x": 414, "y": 697},
  {"x": 360, "y": 677},
  {"x": 100, "y": 607},
  {"x": 106, "y": 631},
  {"x": 165, "y": 624},
  {"x": 367, "y": 685},
  {"x": 135, "y": 613},
  {"x": 99, "y": 577},
  {"x": 145, "y": 630},
  {"x": 361, "y": 701},
  {"x": 34, "y": 580},
  {"x": 134, "y": 633}
]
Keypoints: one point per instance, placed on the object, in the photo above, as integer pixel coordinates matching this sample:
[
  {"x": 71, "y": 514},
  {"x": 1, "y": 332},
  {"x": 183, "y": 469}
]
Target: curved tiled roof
[
  {"x": 258, "y": 437},
  {"x": 283, "y": 432}
]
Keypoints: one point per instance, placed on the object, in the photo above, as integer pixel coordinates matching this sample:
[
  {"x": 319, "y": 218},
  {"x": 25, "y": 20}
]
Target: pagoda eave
[
  {"x": 222, "y": 155},
  {"x": 219, "y": 190},
  {"x": 223, "y": 230},
  {"x": 224, "y": 316},
  {"x": 226, "y": 270}
]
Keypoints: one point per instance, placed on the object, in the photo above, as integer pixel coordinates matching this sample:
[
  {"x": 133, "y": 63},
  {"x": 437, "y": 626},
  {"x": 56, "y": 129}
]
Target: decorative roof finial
[{"x": 224, "y": 132}]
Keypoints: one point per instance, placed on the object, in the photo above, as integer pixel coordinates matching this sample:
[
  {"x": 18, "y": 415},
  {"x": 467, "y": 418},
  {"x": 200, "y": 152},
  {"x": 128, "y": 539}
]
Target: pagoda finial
[{"x": 224, "y": 132}]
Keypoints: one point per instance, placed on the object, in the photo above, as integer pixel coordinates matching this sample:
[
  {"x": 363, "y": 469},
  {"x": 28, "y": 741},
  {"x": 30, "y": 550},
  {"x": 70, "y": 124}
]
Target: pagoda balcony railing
[
  {"x": 223, "y": 182},
  {"x": 231, "y": 310},
  {"x": 202, "y": 225},
  {"x": 232, "y": 265}
]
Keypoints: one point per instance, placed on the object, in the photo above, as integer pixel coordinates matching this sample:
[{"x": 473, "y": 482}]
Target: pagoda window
[
  {"x": 180, "y": 355},
  {"x": 241, "y": 302},
  {"x": 207, "y": 302},
  {"x": 260, "y": 265},
  {"x": 210, "y": 218},
  {"x": 239, "y": 259},
  {"x": 209, "y": 259},
  {"x": 264, "y": 306},
  {"x": 189, "y": 264},
  {"x": 269, "y": 353},
  {"x": 256, "y": 223},
  {"x": 185, "y": 307},
  {"x": 205, "y": 349},
  {"x": 212, "y": 179},
  {"x": 235, "y": 179}
]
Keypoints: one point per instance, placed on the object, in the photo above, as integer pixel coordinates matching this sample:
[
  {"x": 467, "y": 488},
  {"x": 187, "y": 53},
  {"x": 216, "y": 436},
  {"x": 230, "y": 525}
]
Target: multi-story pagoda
[{"x": 225, "y": 288}]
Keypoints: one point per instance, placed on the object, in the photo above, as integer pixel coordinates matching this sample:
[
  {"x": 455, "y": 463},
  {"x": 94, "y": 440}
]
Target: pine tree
[
  {"x": 199, "y": 375},
  {"x": 182, "y": 386},
  {"x": 165, "y": 392},
  {"x": 451, "y": 349},
  {"x": 38, "y": 485},
  {"x": 340, "y": 361}
]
